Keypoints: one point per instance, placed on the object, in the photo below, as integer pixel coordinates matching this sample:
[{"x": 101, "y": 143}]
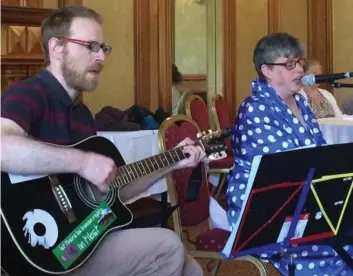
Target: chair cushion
[
  {"x": 225, "y": 163},
  {"x": 212, "y": 240},
  {"x": 199, "y": 114},
  {"x": 194, "y": 212}
]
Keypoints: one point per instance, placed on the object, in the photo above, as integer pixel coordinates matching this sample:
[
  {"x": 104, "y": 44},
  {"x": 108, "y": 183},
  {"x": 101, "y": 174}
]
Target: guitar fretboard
[{"x": 133, "y": 171}]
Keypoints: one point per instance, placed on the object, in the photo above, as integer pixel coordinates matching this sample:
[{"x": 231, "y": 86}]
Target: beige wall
[
  {"x": 251, "y": 25},
  {"x": 116, "y": 86},
  {"x": 190, "y": 42},
  {"x": 343, "y": 44},
  {"x": 293, "y": 19}
]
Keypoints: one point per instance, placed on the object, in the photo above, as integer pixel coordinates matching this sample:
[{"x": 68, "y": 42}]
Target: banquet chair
[
  {"x": 196, "y": 108},
  {"x": 221, "y": 116},
  {"x": 194, "y": 213}
]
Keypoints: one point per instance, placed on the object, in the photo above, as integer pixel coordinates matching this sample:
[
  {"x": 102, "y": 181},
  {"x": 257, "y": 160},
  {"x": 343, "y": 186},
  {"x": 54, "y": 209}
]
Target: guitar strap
[{"x": 161, "y": 217}]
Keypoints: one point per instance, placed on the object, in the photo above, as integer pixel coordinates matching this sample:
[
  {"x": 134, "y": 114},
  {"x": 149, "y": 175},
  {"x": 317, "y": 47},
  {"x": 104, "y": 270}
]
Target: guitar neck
[{"x": 139, "y": 169}]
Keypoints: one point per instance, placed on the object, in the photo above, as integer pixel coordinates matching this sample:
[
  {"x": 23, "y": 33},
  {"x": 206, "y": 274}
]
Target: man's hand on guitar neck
[{"x": 195, "y": 152}]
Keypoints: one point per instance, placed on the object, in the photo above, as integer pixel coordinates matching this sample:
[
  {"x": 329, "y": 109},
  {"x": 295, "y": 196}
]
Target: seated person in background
[
  {"x": 321, "y": 101},
  {"x": 277, "y": 118},
  {"x": 178, "y": 95},
  {"x": 347, "y": 107},
  {"x": 44, "y": 108}
]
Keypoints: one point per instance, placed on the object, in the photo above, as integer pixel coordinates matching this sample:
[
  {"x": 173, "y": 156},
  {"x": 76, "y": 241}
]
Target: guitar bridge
[{"x": 62, "y": 199}]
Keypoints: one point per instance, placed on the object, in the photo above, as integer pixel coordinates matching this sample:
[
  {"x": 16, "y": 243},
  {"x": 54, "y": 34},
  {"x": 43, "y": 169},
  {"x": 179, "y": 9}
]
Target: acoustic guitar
[{"x": 51, "y": 224}]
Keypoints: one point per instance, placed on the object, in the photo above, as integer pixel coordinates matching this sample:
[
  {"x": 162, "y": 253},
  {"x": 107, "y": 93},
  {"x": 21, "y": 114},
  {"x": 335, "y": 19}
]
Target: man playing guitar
[{"x": 45, "y": 109}]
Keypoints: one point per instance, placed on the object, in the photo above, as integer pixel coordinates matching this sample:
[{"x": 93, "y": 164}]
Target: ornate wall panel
[{"x": 21, "y": 51}]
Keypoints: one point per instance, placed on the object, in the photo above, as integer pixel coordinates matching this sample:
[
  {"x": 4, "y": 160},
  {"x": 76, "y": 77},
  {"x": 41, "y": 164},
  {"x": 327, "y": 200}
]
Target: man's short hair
[{"x": 59, "y": 23}]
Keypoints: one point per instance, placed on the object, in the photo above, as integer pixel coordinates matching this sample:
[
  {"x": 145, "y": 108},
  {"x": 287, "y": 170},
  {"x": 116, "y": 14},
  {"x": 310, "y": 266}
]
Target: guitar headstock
[{"x": 213, "y": 143}]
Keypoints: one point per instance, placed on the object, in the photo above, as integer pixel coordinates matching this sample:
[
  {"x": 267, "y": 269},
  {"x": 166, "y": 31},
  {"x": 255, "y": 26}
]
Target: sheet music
[{"x": 19, "y": 178}]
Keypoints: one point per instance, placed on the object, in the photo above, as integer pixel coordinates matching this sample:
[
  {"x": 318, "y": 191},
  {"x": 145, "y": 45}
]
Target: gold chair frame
[{"x": 217, "y": 257}]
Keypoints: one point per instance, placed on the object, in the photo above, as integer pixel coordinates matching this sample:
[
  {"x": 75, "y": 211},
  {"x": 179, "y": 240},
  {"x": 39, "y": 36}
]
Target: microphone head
[{"x": 308, "y": 80}]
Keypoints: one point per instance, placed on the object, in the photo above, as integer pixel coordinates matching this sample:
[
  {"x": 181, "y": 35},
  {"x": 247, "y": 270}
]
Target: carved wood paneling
[
  {"x": 153, "y": 24},
  {"x": 274, "y": 12},
  {"x": 21, "y": 51},
  {"x": 229, "y": 53},
  {"x": 12, "y": 72},
  {"x": 23, "y": 16}
]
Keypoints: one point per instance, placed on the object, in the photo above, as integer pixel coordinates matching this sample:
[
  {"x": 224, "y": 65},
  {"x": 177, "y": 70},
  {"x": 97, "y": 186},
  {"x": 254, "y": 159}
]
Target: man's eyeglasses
[
  {"x": 290, "y": 64},
  {"x": 91, "y": 45}
]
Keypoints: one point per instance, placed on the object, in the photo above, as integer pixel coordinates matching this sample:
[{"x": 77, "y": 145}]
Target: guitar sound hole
[
  {"x": 92, "y": 192},
  {"x": 39, "y": 229}
]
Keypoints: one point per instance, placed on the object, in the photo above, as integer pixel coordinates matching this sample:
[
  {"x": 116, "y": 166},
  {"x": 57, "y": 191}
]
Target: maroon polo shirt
[{"x": 42, "y": 107}]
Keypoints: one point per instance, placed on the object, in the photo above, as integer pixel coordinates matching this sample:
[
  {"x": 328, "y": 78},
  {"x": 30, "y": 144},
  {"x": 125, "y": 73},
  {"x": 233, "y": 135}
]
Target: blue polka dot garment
[{"x": 266, "y": 125}]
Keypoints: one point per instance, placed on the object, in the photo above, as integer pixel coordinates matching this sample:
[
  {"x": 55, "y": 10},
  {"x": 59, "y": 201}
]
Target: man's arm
[
  {"x": 138, "y": 186},
  {"x": 20, "y": 154}
]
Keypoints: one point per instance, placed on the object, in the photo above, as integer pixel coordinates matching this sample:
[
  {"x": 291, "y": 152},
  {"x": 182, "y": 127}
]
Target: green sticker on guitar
[{"x": 84, "y": 235}]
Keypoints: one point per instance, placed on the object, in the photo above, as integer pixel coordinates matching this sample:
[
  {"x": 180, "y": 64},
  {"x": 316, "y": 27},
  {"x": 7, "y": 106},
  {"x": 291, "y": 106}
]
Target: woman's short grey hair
[{"x": 274, "y": 46}]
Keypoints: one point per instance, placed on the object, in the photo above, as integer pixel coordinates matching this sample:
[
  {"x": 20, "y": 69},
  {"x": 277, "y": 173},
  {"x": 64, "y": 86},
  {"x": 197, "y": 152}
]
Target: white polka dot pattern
[{"x": 266, "y": 125}]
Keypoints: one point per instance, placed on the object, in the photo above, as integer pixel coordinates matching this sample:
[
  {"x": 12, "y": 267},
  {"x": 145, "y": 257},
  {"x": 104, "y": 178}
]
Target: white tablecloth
[
  {"x": 337, "y": 130},
  {"x": 134, "y": 146}
]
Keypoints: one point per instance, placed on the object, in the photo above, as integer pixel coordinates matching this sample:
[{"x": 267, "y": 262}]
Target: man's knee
[
  {"x": 176, "y": 256},
  {"x": 172, "y": 244}
]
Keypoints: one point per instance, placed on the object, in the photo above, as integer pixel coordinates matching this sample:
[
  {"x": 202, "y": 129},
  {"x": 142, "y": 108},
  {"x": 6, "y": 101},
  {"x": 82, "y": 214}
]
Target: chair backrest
[
  {"x": 172, "y": 131},
  {"x": 221, "y": 116},
  {"x": 196, "y": 108}
]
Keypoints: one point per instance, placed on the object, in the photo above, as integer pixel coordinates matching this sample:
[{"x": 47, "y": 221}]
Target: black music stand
[{"x": 297, "y": 197}]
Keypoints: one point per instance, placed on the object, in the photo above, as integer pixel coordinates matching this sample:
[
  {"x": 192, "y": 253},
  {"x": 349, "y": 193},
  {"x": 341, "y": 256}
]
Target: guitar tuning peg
[
  {"x": 199, "y": 134},
  {"x": 210, "y": 131}
]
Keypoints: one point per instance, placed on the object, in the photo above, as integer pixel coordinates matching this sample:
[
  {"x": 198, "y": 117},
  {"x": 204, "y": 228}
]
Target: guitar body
[{"x": 35, "y": 221}]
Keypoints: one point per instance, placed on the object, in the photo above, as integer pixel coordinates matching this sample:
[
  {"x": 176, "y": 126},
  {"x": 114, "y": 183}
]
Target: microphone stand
[{"x": 341, "y": 85}]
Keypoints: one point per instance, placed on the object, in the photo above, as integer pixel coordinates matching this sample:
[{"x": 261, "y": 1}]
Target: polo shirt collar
[{"x": 56, "y": 87}]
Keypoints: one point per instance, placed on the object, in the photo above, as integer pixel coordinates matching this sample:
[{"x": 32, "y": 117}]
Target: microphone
[{"x": 311, "y": 79}]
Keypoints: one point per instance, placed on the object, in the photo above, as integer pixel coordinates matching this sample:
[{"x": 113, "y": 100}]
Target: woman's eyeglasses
[
  {"x": 290, "y": 64},
  {"x": 91, "y": 45}
]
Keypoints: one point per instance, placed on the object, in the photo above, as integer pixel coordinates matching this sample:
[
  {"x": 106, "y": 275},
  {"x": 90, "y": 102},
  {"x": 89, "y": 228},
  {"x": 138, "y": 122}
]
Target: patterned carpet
[{"x": 227, "y": 268}]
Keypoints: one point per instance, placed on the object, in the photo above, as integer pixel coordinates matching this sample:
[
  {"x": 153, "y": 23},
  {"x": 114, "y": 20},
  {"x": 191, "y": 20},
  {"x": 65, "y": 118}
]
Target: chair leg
[
  {"x": 220, "y": 186},
  {"x": 214, "y": 188},
  {"x": 215, "y": 267}
]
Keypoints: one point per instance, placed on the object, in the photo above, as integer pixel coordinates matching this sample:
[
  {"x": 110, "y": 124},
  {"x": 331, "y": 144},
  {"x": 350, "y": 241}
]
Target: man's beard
[{"x": 77, "y": 80}]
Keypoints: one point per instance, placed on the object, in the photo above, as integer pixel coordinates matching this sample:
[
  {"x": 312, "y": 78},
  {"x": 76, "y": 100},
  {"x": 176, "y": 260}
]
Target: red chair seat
[
  {"x": 212, "y": 240},
  {"x": 225, "y": 163}
]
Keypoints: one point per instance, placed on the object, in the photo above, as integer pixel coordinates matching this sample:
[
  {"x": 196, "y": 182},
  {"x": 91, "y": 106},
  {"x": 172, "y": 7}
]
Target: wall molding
[
  {"x": 23, "y": 16},
  {"x": 320, "y": 33},
  {"x": 273, "y": 16},
  {"x": 229, "y": 54},
  {"x": 153, "y": 53},
  {"x": 196, "y": 83},
  {"x": 320, "y": 29}
]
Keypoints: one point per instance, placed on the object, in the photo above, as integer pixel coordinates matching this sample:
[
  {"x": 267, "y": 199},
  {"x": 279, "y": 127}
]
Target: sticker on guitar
[
  {"x": 19, "y": 178},
  {"x": 40, "y": 220},
  {"x": 86, "y": 233}
]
